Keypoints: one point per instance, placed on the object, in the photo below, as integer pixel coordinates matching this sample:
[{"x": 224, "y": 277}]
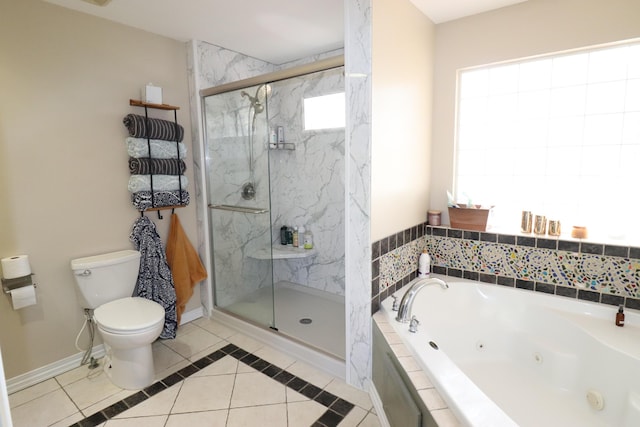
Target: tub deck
[{"x": 508, "y": 357}]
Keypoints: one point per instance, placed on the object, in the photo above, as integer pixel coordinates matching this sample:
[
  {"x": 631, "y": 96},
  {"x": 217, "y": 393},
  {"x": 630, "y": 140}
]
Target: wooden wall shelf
[{"x": 137, "y": 103}]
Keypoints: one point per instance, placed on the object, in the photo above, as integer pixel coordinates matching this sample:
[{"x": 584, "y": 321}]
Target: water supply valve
[
  {"x": 394, "y": 307},
  {"x": 413, "y": 325}
]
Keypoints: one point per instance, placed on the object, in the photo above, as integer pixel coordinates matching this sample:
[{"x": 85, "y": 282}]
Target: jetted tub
[{"x": 510, "y": 357}]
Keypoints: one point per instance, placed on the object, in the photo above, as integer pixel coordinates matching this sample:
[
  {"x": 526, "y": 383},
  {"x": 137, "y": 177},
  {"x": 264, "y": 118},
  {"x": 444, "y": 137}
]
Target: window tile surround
[{"x": 605, "y": 274}]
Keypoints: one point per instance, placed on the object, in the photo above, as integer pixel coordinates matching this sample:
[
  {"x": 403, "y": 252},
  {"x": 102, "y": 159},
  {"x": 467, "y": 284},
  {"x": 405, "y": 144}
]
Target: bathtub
[{"x": 508, "y": 357}]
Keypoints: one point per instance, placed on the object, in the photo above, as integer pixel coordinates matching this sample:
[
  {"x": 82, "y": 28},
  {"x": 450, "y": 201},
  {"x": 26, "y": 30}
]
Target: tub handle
[
  {"x": 394, "y": 307},
  {"x": 413, "y": 325}
]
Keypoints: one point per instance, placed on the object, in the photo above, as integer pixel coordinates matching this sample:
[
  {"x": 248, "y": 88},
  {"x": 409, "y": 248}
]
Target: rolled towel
[
  {"x": 156, "y": 166},
  {"x": 160, "y": 183},
  {"x": 141, "y": 200},
  {"x": 139, "y": 148},
  {"x": 142, "y": 127}
]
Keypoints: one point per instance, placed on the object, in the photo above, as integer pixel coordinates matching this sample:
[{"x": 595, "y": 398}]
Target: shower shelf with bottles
[
  {"x": 277, "y": 140},
  {"x": 283, "y": 252},
  {"x": 182, "y": 201},
  {"x": 283, "y": 146}
]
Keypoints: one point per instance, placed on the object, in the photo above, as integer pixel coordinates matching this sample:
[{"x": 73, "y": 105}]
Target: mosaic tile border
[
  {"x": 606, "y": 274},
  {"x": 337, "y": 408}
]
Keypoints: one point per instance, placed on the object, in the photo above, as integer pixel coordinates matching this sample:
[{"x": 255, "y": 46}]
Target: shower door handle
[{"x": 242, "y": 209}]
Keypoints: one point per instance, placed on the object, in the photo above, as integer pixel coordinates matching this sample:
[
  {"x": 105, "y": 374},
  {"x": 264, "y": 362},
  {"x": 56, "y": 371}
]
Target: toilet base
[{"x": 130, "y": 369}]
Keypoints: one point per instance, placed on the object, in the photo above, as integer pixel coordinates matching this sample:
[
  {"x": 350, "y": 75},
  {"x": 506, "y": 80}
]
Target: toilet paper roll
[
  {"x": 23, "y": 297},
  {"x": 15, "y": 266}
]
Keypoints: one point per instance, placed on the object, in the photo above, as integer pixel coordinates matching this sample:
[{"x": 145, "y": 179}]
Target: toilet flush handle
[{"x": 84, "y": 273}]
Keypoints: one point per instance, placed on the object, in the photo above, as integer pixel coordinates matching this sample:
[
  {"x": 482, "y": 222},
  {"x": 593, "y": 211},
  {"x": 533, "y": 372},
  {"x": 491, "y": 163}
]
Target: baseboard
[
  {"x": 191, "y": 315},
  {"x": 51, "y": 370},
  {"x": 54, "y": 369}
]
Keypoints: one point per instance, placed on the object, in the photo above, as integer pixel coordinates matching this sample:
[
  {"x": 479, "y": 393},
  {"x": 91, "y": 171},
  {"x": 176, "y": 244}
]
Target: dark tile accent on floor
[
  {"x": 93, "y": 420},
  {"x": 337, "y": 408},
  {"x": 341, "y": 406},
  {"x": 329, "y": 419}
]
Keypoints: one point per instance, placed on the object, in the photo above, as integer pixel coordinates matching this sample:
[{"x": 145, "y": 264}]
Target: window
[
  {"x": 558, "y": 135},
  {"x": 324, "y": 112}
]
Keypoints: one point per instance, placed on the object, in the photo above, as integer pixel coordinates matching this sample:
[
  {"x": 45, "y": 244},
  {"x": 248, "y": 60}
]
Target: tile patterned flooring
[{"x": 209, "y": 375}]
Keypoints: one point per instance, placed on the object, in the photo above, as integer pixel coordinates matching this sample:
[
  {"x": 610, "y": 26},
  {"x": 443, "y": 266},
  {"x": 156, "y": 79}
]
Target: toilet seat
[{"x": 131, "y": 315}]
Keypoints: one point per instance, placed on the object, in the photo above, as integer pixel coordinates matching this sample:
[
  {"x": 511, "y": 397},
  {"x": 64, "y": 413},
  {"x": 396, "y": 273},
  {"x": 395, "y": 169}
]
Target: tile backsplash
[{"x": 571, "y": 268}]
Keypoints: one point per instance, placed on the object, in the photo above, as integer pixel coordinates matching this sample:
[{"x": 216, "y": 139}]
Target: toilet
[{"x": 128, "y": 325}]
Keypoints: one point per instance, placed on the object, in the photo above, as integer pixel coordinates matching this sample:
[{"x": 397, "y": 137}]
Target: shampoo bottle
[
  {"x": 296, "y": 237},
  {"x": 620, "y": 316},
  {"x": 424, "y": 263},
  {"x": 308, "y": 240}
]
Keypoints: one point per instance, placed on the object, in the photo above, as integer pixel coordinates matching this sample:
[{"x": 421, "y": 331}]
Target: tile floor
[{"x": 209, "y": 375}]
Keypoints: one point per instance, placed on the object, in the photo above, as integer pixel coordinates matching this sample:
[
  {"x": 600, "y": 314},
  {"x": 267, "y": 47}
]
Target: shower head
[
  {"x": 262, "y": 92},
  {"x": 255, "y": 102}
]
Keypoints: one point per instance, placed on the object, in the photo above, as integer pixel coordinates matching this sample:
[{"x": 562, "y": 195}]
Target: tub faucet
[{"x": 404, "y": 311}]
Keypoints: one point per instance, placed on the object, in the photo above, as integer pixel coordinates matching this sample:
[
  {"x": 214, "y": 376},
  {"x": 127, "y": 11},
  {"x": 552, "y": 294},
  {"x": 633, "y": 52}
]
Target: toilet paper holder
[{"x": 9, "y": 285}]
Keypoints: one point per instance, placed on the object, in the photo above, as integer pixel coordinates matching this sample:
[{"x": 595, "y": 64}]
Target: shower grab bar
[{"x": 242, "y": 209}]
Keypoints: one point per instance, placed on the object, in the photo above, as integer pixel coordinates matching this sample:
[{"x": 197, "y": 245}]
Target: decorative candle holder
[
  {"x": 527, "y": 222},
  {"x": 554, "y": 228},
  {"x": 540, "y": 225}
]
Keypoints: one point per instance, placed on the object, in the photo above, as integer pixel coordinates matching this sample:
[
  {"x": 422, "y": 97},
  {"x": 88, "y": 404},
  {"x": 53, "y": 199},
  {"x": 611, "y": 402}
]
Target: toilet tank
[{"x": 107, "y": 277}]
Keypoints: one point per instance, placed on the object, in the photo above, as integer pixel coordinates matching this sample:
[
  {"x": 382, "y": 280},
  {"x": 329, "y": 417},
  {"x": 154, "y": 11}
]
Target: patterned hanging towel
[{"x": 155, "y": 281}]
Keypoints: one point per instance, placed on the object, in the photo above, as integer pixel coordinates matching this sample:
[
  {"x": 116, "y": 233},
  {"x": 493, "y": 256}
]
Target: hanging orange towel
[{"x": 185, "y": 264}]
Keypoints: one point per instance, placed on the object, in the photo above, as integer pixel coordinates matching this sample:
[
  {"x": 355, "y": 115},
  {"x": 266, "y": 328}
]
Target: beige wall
[
  {"x": 65, "y": 82},
  {"x": 402, "y": 64},
  {"x": 527, "y": 29}
]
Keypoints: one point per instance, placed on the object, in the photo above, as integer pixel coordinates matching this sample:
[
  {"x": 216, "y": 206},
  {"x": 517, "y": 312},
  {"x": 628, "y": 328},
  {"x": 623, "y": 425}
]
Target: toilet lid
[{"x": 128, "y": 315}]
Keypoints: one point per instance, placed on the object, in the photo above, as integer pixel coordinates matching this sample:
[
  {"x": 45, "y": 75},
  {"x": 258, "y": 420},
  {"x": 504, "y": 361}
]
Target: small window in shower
[{"x": 324, "y": 112}]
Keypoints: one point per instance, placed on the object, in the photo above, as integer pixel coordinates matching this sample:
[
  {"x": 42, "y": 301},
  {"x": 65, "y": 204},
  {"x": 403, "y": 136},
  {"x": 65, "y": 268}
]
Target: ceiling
[{"x": 275, "y": 31}]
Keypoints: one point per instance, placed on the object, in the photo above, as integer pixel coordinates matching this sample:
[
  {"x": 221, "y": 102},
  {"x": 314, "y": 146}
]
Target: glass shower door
[{"x": 237, "y": 156}]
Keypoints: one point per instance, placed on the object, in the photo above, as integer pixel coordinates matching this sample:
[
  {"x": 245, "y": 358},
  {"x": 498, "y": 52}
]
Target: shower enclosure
[{"x": 256, "y": 186}]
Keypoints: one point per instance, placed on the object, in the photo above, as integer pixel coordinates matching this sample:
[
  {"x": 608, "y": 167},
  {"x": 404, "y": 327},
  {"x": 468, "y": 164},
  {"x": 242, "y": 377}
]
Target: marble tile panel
[
  {"x": 304, "y": 413},
  {"x": 269, "y": 416},
  {"x": 44, "y": 410},
  {"x": 195, "y": 419},
  {"x": 33, "y": 392},
  {"x": 253, "y": 389},
  {"x": 217, "y": 388}
]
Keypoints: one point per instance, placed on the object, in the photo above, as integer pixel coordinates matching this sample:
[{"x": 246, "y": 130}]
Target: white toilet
[{"x": 128, "y": 325}]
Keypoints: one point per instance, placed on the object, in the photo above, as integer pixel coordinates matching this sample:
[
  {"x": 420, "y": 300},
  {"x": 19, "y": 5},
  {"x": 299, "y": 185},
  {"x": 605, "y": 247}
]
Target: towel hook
[{"x": 159, "y": 215}]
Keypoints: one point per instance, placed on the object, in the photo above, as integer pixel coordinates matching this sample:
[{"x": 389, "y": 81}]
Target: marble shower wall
[
  {"x": 358, "y": 36},
  {"x": 307, "y": 184}
]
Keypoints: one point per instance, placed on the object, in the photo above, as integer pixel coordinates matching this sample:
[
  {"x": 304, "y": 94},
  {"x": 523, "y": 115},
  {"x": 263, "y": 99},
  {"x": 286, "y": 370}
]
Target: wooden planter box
[{"x": 469, "y": 219}]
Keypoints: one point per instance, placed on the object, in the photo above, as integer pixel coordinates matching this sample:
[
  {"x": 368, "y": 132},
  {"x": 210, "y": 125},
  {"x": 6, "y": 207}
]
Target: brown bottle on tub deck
[{"x": 620, "y": 317}]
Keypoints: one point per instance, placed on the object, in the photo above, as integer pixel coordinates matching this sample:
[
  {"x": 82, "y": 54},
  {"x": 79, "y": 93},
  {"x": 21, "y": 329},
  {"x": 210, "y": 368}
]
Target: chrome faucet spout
[{"x": 404, "y": 311}]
